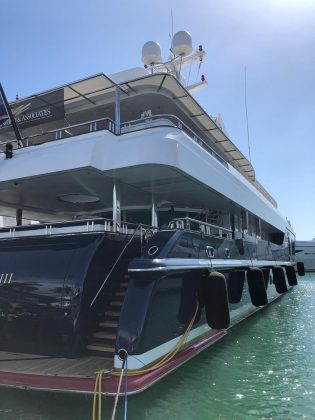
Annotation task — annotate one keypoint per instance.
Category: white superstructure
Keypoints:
(305, 252)
(137, 141)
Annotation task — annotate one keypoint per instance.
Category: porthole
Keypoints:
(153, 250)
(210, 251)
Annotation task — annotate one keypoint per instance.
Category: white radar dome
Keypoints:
(182, 43)
(151, 53)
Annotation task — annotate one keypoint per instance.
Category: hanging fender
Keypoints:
(235, 285)
(257, 287)
(291, 276)
(216, 301)
(279, 279)
(266, 274)
(300, 268)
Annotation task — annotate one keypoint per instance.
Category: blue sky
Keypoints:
(50, 43)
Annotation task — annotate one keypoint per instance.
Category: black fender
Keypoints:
(257, 287)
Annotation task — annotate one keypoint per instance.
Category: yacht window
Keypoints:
(186, 247)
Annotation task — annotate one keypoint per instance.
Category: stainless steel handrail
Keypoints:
(203, 227)
(115, 263)
(126, 127)
(89, 225)
(177, 123)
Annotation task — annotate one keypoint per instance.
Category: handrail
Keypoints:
(129, 126)
(178, 123)
(125, 128)
(91, 124)
(68, 227)
(185, 223)
(114, 265)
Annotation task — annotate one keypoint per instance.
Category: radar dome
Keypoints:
(182, 43)
(151, 53)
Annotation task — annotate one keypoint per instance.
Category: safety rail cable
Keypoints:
(169, 356)
(114, 265)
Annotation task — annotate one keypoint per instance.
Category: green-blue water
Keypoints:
(263, 369)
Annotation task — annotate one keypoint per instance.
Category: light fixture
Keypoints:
(78, 198)
(8, 151)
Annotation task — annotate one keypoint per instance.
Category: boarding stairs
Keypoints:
(104, 338)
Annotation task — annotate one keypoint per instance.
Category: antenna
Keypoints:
(246, 113)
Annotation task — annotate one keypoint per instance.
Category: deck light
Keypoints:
(8, 151)
(78, 198)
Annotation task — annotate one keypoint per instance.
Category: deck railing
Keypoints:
(149, 122)
(91, 225)
(154, 121)
(190, 224)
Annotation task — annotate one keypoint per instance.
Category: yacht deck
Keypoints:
(54, 366)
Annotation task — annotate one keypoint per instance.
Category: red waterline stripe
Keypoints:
(109, 386)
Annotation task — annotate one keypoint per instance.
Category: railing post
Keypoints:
(116, 206)
(154, 215)
(117, 110)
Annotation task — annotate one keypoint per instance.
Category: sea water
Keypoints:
(264, 368)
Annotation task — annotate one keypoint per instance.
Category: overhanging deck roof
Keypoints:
(167, 83)
(92, 90)
(89, 89)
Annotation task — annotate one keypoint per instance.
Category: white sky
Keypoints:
(46, 44)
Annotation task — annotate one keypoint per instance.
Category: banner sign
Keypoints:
(36, 110)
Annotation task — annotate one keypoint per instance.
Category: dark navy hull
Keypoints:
(49, 282)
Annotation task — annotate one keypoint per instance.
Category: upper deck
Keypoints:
(98, 103)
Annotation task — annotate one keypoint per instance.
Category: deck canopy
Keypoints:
(52, 109)
(167, 84)
(94, 97)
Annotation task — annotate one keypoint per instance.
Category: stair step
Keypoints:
(116, 303)
(112, 313)
(120, 293)
(108, 324)
(126, 276)
(105, 335)
(100, 348)
(124, 284)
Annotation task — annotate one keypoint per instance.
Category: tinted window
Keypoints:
(186, 247)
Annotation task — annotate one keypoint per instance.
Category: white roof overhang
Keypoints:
(166, 83)
(89, 91)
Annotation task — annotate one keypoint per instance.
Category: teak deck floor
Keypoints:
(53, 366)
